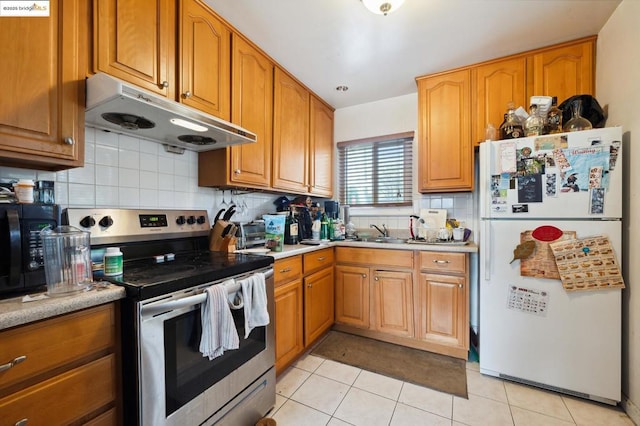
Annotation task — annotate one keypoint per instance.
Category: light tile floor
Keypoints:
(315, 391)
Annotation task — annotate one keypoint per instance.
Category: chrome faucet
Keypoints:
(384, 233)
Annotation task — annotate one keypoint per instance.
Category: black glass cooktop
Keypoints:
(143, 278)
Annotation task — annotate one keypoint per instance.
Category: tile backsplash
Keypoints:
(121, 171)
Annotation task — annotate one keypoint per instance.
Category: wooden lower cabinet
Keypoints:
(69, 373)
(374, 290)
(393, 302)
(418, 299)
(318, 304)
(352, 295)
(288, 323)
(304, 299)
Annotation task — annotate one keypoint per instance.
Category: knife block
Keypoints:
(218, 242)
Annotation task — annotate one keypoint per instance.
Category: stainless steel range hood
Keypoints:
(118, 106)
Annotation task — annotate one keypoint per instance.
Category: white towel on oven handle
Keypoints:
(254, 294)
(219, 332)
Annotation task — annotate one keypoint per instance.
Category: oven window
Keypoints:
(187, 372)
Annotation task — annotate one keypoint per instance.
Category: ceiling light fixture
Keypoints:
(342, 88)
(382, 7)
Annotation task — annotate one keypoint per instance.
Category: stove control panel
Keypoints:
(126, 225)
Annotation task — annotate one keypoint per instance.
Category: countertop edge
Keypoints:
(14, 312)
(297, 249)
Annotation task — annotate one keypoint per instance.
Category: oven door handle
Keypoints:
(154, 309)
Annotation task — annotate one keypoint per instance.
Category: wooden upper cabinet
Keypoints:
(564, 70)
(321, 149)
(42, 103)
(496, 84)
(290, 134)
(252, 100)
(134, 40)
(204, 57)
(445, 153)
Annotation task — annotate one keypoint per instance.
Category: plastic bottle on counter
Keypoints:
(113, 262)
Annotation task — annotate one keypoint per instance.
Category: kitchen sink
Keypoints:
(389, 240)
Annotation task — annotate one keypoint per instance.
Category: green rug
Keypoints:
(435, 371)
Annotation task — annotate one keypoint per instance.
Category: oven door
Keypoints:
(177, 384)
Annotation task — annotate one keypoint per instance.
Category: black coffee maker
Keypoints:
(332, 209)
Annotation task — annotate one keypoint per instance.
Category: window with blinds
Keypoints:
(376, 172)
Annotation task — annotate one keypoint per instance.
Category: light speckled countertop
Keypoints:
(293, 250)
(14, 312)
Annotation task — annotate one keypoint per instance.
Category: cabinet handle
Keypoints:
(321, 259)
(22, 422)
(285, 270)
(237, 171)
(440, 261)
(186, 94)
(68, 141)
(13, 362)
(376, 279)
(364, 275)
(165, 84)
(460, 286)
(309, 285)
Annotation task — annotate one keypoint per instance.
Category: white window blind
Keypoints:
(376, 172)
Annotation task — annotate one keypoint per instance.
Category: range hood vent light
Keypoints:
(120, 107)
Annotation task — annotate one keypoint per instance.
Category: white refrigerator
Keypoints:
(539, 325)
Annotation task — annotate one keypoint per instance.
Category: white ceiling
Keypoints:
(327, 43)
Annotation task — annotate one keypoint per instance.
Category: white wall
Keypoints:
(386, 117)
(618, 90)
(398, 115)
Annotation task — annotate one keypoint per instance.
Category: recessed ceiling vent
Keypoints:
(128, 121)
(197, 139)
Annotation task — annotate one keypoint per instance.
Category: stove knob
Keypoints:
(87, 222)
(201, 220)
(106, 222)
(180, 220)
(191, 220)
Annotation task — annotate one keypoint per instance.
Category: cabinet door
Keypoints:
(496, 84)
(290, 134)
(321, 149)
(205, 55)
(564, 71)
(393, 302)
(42, 102)
(352, 295)
(444, 147)
(252, 94)
(288, 323)
(134, 40)
(318, 304)
(444, 303)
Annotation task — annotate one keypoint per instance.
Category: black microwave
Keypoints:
(21, 252)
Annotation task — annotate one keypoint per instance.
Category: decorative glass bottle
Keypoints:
(554, 117)
(512, 127)
(577, 121)
(534, 126)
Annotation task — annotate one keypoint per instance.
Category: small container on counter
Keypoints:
(24, 190)
(113, 262)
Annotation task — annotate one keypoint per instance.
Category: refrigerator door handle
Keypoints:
(485, 247)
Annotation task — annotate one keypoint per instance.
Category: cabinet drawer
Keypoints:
(65, 398)
(377, 257)
(285, 270)
(443, 261)
(317, 259)
(56, 342)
